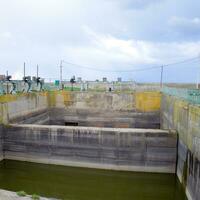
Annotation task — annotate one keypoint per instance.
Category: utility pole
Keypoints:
(197, 84)
(161, 77)
(198, 78)
(24, 69)
(7, 81)
(61, 74)
(37, 70)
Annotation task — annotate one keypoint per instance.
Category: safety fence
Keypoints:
(191, 95)
(13, 87)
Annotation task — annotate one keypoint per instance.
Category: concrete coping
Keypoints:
(81, 128)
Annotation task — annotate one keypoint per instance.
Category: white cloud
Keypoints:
(108, 34)
(138, 52)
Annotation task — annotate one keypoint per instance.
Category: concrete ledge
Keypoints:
(124, 130)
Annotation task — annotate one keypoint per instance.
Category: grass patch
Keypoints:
(70, 88)
(21, 193)
(35, 197)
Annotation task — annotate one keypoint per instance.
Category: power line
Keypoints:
(183, 61)
(134, 70)
(102, 70)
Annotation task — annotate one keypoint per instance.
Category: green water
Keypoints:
(87, 184)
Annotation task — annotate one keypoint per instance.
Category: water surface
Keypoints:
(87, 184)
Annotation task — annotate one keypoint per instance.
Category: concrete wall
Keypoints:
(112, 119)
(15, 106)
(147, 101)
(102, 101)
(119, 149)
(112, 110)
(19, 107)
(1, 143)
(102, 109)
(92, 100)
(185, 118)
(105, 109)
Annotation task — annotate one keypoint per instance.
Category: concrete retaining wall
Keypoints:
(19, 106)
(185, 118)
(119, 149)
(25, 105)
(91, 100)
(105, 109)
(1, 143)
(126, 149)
(112, 119)
(140, 101)
(92, 118)
(15, 106)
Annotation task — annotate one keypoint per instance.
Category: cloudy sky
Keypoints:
(110, 35)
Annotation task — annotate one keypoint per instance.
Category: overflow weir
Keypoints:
(141, 131)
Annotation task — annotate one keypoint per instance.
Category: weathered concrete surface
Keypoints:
(23, 106)
(97, 101)
(92, 100)
(39, 117)
(92, 118)
(14, 106)
(141, 101)
(185, 118)
(7, 195)
(126, 110)
(147, 101)
(108, 148)
(1, 143)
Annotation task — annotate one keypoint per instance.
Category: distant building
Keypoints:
(104, 79)
(2, 77)
(119, 79)
(79, 79)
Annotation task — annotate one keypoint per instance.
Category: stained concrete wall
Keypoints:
(112, 119)
(134, 101)
(15, 106)
(19, 107)
(185, 118)
(92, 100)
(147, 101)
(1, 143)
(114, 110)
(119, 149)
(105, 109)
(92, 118)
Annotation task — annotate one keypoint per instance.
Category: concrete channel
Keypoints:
(142, 132)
